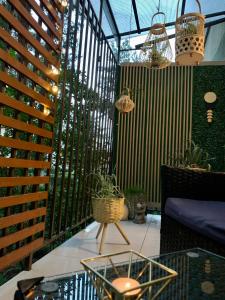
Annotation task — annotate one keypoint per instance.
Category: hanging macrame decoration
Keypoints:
(125, 104)
(190, 37)
(156, 51)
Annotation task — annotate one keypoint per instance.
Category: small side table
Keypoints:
(103, 227)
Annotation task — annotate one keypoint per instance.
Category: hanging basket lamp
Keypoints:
(125, 104)
(190, 37)
(156, 51)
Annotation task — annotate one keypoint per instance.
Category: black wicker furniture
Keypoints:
(189, 184)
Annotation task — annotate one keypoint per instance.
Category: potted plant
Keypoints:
(107, 199)
(133, 196)
(158, 58)
(190, 29)
(195, 158)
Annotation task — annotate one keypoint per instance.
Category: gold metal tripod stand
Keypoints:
(103, 227)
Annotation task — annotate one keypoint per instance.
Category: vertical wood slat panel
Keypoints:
(24, 52)
(130, 157)
(23, 31)
(143, 115)
(124, 128)
(158, 128)
(126, 119)
(26, 130)
(45, 19)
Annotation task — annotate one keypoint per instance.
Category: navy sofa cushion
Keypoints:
(205, 217)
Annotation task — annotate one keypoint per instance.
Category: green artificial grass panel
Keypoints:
(211, 137)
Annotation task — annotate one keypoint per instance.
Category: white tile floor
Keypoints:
(144, 238)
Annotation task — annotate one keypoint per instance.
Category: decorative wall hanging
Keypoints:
(156, 51)
(190, 37)
(125, 104)
(210, 98)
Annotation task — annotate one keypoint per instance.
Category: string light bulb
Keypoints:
(46, 111)
(64, 3)
(55, 89)
(55, 71)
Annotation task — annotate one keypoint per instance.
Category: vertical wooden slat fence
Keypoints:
(157, 130)
(30, 45)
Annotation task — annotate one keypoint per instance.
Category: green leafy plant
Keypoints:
(189, 29)
(157, 57)
(194, 157)
(105, 186)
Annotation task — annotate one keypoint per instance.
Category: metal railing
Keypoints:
(83, 134)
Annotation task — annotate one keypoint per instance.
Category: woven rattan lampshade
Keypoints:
(190, 37)
(156, 51)
(125, 104)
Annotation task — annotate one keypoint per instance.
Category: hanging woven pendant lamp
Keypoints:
(156, 51)
(125, 104)
(190, 37)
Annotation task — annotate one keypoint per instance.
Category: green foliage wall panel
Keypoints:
(211, 137)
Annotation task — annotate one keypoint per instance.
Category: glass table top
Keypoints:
(201, 275)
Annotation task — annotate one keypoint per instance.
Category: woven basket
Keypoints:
(190, 37)
(108, 210)
(156, 51)
(125, 104)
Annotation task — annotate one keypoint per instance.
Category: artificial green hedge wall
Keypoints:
(211, 137)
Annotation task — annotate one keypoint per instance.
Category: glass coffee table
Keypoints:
(201, 275)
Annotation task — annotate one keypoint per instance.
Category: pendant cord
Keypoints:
(159, 6)
(129, 38)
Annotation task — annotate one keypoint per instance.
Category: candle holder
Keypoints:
(127, 275)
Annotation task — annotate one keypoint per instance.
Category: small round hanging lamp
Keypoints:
(190, 37)
(125, 104)
(156, 51)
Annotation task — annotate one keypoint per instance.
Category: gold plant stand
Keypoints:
(103, 227)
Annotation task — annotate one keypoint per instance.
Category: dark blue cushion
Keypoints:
(205, 217)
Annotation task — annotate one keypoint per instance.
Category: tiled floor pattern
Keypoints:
(66, 258)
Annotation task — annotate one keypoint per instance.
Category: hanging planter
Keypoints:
(125, 104)
(157, 52)
(190, 37)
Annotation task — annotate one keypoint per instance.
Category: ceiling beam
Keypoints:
(215, 22)
(183, 7)
(207, 25)
(136, 16)
(111, 19)
(139, 46)
(220, 13)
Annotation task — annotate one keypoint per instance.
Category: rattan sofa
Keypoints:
(189, 184)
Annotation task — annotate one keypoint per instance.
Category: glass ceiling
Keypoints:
(208, 6)
(121, 13)
(146, 9)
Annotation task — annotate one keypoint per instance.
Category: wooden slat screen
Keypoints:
(157, 129)
(30, 46)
